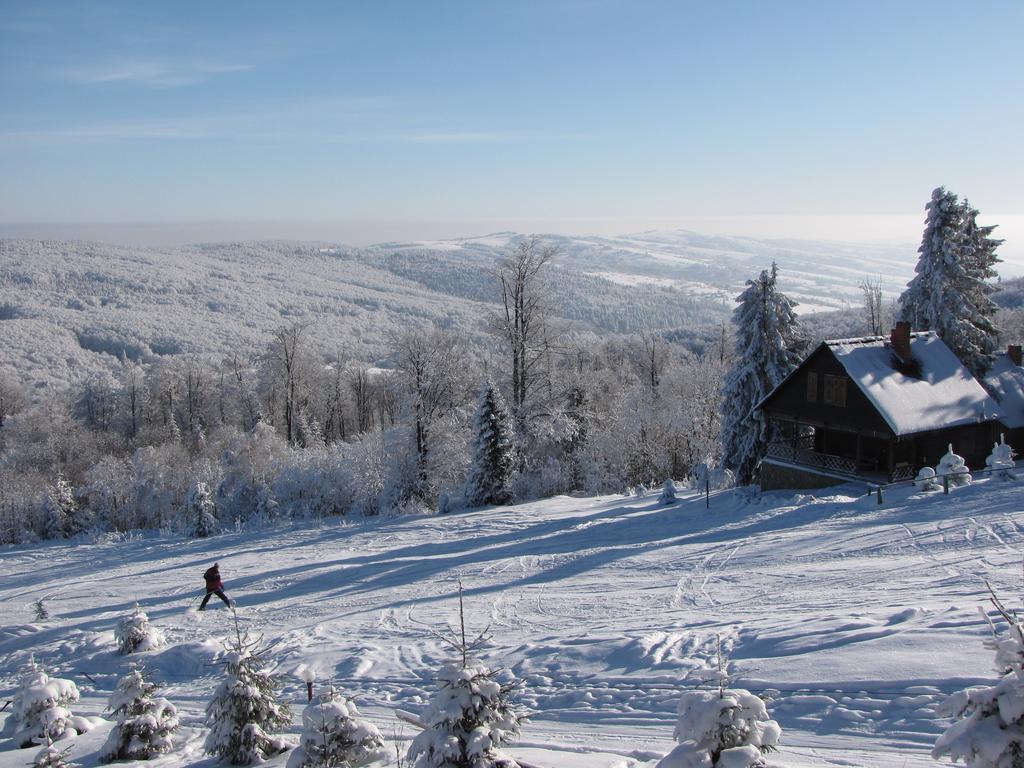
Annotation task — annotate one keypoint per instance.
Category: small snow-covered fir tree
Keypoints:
(145, 724)
(52, 757)
(134, 633)
(493, 452)
(668, 493)
(335, 736)
(244, 710)
(60, 510)
(472, 714)
(768, 348)
(955, 467)
(1001, 460)
(988, 726)
(202, 512)
(39, 710)
(950, 294)
(722, 729)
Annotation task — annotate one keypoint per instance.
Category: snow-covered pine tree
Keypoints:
(134, 633)
(493, 452)
(1001, 460)
(668, 493)
(727, 728)
(244, 709)
(145, 723)
(950, 294)
(988, 726)
(472, 714)
(52, 757)
(768, 347)
(335, 736)
(60, 510)
(39, 709)
(202, 517)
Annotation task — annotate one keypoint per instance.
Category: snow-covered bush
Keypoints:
(725, 728)
(1001, 460)
(135, 633)
(469, 719)
(668, 493)
(955, 467)
(926, 480)
(144, 724)
(333, 734)
(245, 710)
(39, 709)
(988, 727)
(202, 512)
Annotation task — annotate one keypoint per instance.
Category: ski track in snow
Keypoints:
(854, 619)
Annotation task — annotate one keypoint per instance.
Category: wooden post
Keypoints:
(945, 484)
(879, 492)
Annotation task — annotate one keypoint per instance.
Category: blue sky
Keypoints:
(579, 114)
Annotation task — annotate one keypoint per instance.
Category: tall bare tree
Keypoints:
(523, 319)
(871, 288)
(432, 366)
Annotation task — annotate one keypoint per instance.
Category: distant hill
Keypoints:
(69, 308)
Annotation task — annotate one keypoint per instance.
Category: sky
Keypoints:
(424, 119)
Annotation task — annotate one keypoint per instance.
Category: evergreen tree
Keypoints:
(61, 510)
(726, 728)
(144, 724)
(202, 512)
(334, 736)
(51, 757)
(244, 709)
(950, 293)
(39, 711)
(471, 715)
(988, 726)
(493, 452)
(134, 633)
(768, 348)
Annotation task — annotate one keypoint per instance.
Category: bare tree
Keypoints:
(432, 366)
(871, 288)
(522, 321)
(286, 357)
(362, 397)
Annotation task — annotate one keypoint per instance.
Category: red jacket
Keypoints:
(213, 582)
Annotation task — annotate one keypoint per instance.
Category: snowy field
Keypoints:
(854, 619)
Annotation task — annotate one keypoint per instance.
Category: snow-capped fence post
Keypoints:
(945, 484)
(308, 676)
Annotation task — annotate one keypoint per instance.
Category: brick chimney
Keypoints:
(1013, 350)
(900, 338)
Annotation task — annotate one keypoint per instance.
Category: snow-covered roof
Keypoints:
(945, 395)
(1005, 380)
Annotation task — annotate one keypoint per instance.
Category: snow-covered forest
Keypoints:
(307, 423)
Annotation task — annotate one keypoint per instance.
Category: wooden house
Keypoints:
(875, 409)
(1005, 382)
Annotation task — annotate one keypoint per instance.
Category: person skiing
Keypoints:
(214, 586)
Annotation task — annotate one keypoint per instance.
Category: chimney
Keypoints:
(900, 338)
(1013, 350)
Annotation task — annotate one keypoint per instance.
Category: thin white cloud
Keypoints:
(153, 73)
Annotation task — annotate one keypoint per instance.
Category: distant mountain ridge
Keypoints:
(69, 308)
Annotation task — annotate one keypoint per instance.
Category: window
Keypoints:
(835, 390)
(812, 387)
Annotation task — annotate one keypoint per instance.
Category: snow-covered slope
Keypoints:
(854, 618)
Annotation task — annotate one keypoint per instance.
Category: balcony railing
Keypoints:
(801, 453)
